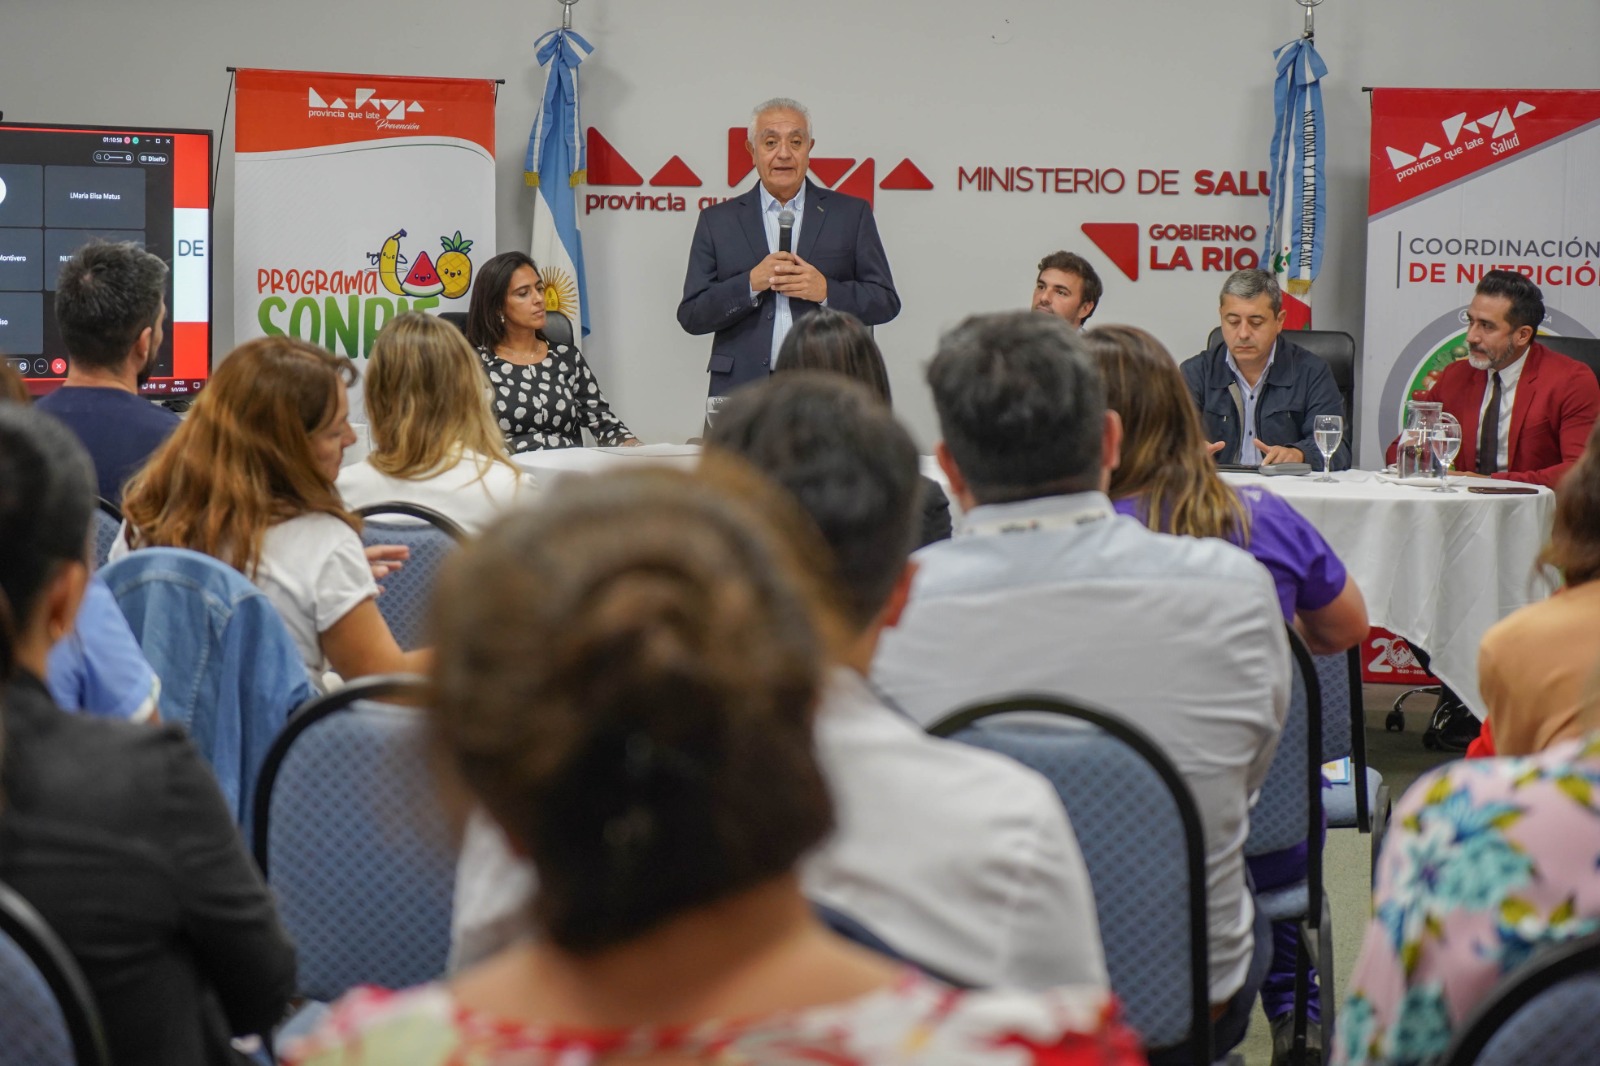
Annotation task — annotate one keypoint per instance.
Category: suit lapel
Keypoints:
(750, 219)
(816, 218)
(1526, 394)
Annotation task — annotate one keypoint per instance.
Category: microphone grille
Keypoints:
(786, 217)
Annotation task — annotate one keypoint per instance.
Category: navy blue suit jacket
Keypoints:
(837, 236)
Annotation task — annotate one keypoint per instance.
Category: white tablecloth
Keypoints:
(1437, 568)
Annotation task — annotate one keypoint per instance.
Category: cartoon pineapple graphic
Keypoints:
(454, 267)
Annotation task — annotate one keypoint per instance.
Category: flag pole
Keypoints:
(1311, 17)
(566, 13)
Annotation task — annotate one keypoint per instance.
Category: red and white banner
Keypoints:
(1463, 181)
(358, 197)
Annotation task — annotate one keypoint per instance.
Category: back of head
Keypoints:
(426, 398)
(1575, 538)
(626, 679)
(1164, 461)
(842, 456)
(106, 296)
(1021, 408)
(46, 504)
(832, 340)
(242, 460)
(1527, 301)
(486, 326)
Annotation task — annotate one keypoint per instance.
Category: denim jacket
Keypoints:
(230, 672)
(1299, 387)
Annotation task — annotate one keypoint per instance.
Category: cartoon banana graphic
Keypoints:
(388, 264)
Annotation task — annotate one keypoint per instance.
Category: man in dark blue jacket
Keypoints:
(745, 288)
(1259, 395)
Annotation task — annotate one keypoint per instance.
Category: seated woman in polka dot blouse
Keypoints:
(545, 395)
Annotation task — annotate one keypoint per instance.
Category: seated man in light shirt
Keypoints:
(959, 859)
(1050, 590)
(1259, 394)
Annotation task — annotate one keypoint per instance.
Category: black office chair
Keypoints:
(557, 326)
(1334, 347)
(1585, 350)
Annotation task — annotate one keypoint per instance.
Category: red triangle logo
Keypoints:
(905, 176)
(1120, 242)
(829, 171)
(606, 165)
(861, 182)
(739, 162)
(676, 172)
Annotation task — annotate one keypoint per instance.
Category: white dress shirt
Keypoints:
(960, 859)
(1181, 636)
(1508, 398)
(771, 208)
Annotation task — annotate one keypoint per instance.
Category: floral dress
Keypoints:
(1486, 861)
(915, 1020)
(549, 403)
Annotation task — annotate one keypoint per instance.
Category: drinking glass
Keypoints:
(1328, 430)
(713, 405)
(1445, 442)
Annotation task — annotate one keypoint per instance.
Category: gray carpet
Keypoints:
(1347, 867)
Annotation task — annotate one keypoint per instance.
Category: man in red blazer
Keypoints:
(1525, 411)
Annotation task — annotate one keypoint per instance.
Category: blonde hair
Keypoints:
(427, 401)
(242, 460)
(1164, 461)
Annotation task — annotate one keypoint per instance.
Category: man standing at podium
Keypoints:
(779, 251)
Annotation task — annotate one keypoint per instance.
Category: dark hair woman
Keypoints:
(117, 833)
(833, 340)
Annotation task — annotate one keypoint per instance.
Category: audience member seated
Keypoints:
(836, 341)
(962, 860)
(627, 677)
(1051, 591)
(545, 395)
(1525, 411)
(1485, 862)
(1259, 394)
(117, 833)
(1167, 481)
(1067, 287)
(434, 442)
(249, 479)
(1534, 666)
(110, 305)
(98, 668)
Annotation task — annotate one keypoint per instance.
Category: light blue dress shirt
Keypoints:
(782, 318)
(1249, 454)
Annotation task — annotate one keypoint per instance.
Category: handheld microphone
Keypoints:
(785, 229)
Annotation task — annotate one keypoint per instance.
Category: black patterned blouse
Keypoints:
(548, 404)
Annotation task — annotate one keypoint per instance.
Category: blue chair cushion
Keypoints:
(1339, 801)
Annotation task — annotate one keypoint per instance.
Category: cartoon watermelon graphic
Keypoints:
(423, 279)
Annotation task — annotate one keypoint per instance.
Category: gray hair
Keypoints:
(781, 103)
(1249, 284)
(106, 296)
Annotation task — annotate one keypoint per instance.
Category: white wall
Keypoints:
(1131, 84)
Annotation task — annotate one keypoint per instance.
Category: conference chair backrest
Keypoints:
(1117, 786)
(1334, 347)
(1542, 1013)
(47, 1013)
(557, 326)
(430, 536)
(230, 672)
(1585, 350)
(107, 524)
(1282, 812)
(355, 842)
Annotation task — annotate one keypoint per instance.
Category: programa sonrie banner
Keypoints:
(1463, 181)
(358, 197)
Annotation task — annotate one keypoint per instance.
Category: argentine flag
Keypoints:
(554, 167)
(1297, 204)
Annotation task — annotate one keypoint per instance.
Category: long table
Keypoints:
(1438, 568)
